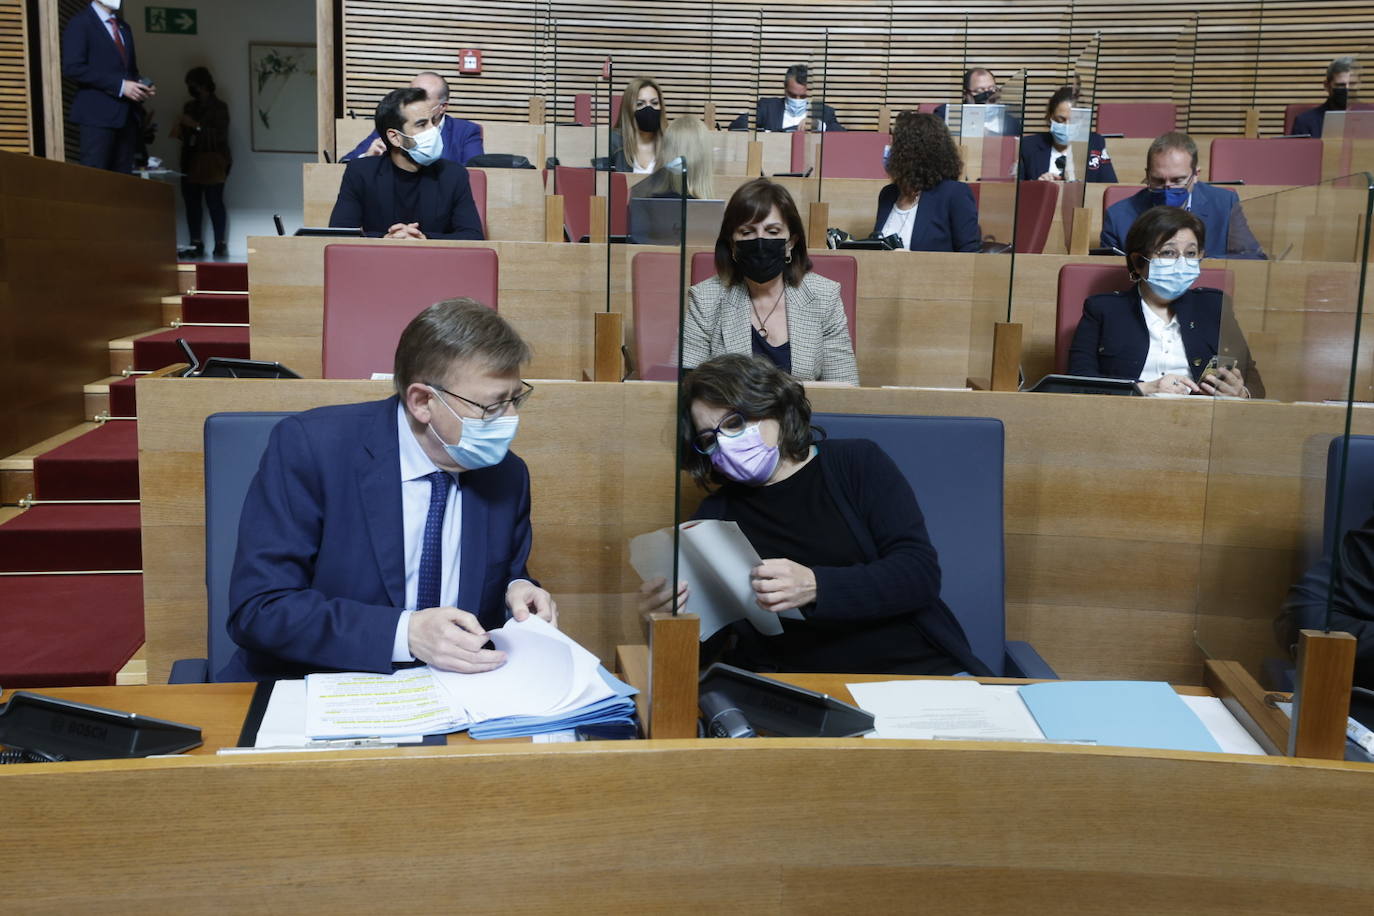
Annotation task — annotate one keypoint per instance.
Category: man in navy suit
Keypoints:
(980, 88)
(412, 192)
(384, 534)
(791, 112)
(1171, 178)
(1342, 81)
(462, 139)
(98, 53)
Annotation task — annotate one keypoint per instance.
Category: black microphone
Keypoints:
(1061, 162)
(723, 718)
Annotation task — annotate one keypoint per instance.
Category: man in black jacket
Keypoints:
(1352, 599)
(410, 192)
(793, 111)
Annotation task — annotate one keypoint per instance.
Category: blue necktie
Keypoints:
(432, 546)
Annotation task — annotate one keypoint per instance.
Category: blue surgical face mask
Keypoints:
(429, 146)
(1062, 132)
(1169, 281)
(484, 442)
(796, 107)
(1169, 197)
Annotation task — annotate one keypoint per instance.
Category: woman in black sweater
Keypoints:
(838, 526)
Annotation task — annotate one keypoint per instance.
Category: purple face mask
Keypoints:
(745, 458)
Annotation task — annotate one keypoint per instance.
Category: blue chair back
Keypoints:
(1358, 501)
(234, 443)
(954, 464)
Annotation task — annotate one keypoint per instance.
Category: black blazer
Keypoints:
(89, 57)
(367, 198)
(1112, 340)
(946, 218)
(1035, 157)
(768, 115)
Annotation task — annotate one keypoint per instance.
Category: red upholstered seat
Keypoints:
(1143, 120)
(851, 154)
(653, 277)
(582, 108)
(1079, 281)
(928, 107)
(1270, 162)
(1035, 202)
(842, 268)
(371, 292)
(577, 187)
(477, 180)
(1115, 193)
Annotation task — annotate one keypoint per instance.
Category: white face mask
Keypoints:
(429, 146)
(112, 4)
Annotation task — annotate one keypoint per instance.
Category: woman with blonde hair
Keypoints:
(687, 137)
(635, 146)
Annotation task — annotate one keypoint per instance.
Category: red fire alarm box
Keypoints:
(470, 60)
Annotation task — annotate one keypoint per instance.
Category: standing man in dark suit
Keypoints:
(791, 112)
(412, 192)
(1171, 179)
(98, 53)
(377, 535)
(462, 139)
(1342, 81)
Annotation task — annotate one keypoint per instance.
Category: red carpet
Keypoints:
(53, 538)
(159, 350)
(233, 309)
(122, 402)
(62, 631)
(102, 464)
(222, 276)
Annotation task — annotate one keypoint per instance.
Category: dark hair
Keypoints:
(968, 75)
(797, 73)
(1061, 95)
(200, 76)
(749, 204)
(452, 330)
(923, 153)
(390, 113)
(1173, 140)
(1156, 226)
(755, 388)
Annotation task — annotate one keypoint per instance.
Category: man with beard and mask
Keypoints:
(1342, 82)
(793, 111)
(98, 53)
(462, 139)
(840, 530)
(412, 192)
(379, 535)
(764, 299)
(980, 88)
(1171, 179)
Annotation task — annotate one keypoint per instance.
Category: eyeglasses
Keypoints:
(492, 411)
(731, 426)
(1168, 257)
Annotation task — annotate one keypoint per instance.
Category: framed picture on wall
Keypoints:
(281, 94)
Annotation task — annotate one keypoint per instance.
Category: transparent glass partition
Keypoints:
(1185, 54)
(1348, 135)
(1290, 332)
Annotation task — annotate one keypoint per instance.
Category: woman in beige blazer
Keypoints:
(764, 299)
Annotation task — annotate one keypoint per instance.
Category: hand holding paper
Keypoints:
(447, 638)
(782, 585)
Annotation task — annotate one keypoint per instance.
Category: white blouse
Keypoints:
(900, 222)
(1166, 355)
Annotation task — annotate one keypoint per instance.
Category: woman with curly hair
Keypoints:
(927, 206)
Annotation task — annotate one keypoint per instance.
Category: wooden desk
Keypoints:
(786, 825)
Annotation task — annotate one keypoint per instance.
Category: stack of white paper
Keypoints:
(548, 683)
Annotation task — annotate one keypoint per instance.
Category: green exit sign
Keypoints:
(169, 20)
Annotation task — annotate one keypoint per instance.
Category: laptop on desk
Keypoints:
(658, 221)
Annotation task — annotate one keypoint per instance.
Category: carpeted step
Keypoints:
(158, 350)
(66, 538)
(205, 307)
(222, 276)
(102, 464)
(68, 631)
(122, 403)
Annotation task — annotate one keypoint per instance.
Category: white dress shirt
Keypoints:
(1053, 168)
(1166, 355)
(900, 222)
(415, 490)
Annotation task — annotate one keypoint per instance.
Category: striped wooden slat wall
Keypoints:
(71, 136)
(1221, 56)
(16, 129)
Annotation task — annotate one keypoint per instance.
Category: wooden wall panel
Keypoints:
(16, 128)
(1220, 56)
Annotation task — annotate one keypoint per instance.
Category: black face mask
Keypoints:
(761, 259)
(647, 119)
(1338, 99)
(982, 98)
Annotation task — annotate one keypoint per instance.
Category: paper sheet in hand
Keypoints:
(960, 708)
(716, 562)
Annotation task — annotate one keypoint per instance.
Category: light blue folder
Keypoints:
(1119, 713)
